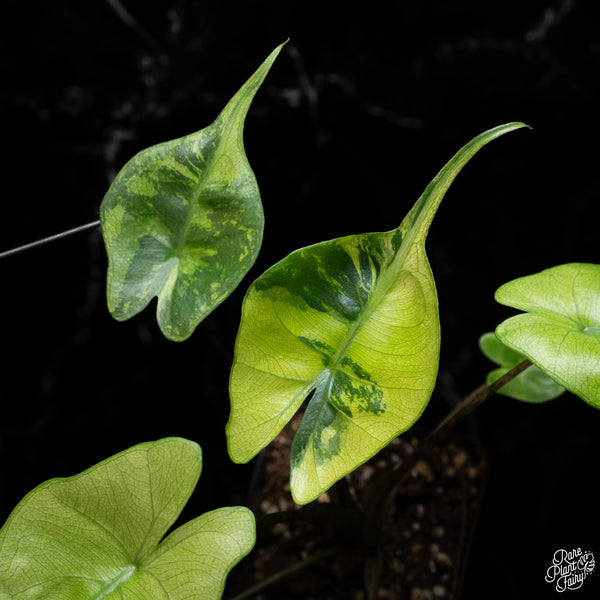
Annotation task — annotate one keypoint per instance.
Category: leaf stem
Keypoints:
(348, 517)
(385, 488)
(286, 573)
(472, 401)
(51, 238)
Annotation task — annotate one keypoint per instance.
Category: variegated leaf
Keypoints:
(183, 221)
(354, 321)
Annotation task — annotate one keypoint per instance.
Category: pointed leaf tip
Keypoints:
(418, 220)
(183, 221)
(354, 321)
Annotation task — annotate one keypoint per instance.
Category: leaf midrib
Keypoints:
(413, 238)
(389, 275)
(125, 574)
(198, 189)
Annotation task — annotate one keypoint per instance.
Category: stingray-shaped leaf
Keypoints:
(560, 332)
(183, 221)
(532, 385)
(354, 321)
(97, 535)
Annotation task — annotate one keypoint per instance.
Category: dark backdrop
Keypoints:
(365, 104)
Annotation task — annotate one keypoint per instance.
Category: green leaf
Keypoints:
(97, 535)
(560, 332)
(183, 221)
(354, 321)
(532, 385)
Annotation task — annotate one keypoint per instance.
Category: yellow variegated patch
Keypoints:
(354, 321)
(183, 221)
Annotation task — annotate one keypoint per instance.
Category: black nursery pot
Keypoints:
(426, 539)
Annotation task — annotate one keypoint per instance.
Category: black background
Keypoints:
(361, 109)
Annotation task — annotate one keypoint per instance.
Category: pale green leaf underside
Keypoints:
(183, 221)
(532, 385)
(354, 321)
(97, 535)
(560, 332)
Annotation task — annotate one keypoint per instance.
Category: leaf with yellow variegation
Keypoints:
(352, 321)
(183, 221)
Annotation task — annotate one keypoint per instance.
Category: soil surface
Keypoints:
(426, 531)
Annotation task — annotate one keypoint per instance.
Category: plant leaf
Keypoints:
(560, 332)
(183, 221)
(532, 385)
(97, 534)
(353, 320)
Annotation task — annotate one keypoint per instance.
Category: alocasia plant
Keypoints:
(560, 332)
(183, 221)
(352, 321)
(350, 324)
(99, 535)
